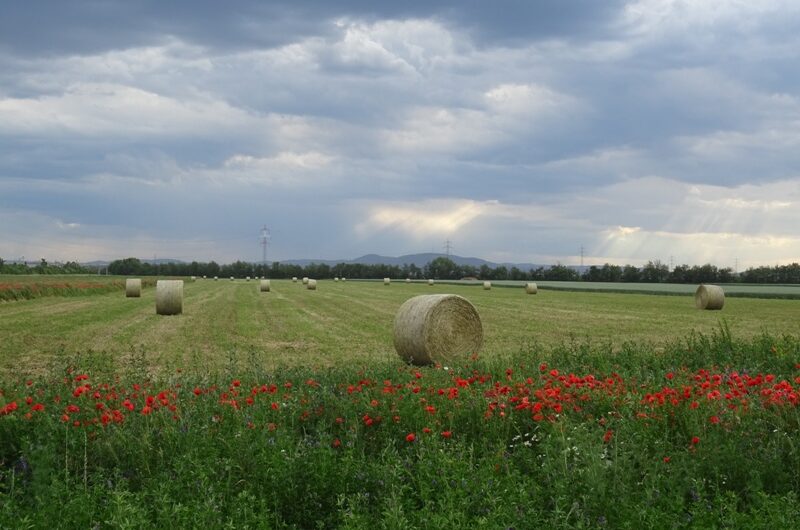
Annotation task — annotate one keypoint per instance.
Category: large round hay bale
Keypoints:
(305, 280)
(531, 288)
(709, 297)
(430, 282)
(387, 281)
(169, 297)
(336, 279)
(264, 286)
(311, 284)
(435, 328)
(487, 286)
(294, 279)
(133, 288)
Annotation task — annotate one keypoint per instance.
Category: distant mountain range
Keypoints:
(420, 260)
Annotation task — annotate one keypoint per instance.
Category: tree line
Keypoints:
(441, 268)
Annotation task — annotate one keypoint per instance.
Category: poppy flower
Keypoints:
(410, 437)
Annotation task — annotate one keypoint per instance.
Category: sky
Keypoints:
(519, 131)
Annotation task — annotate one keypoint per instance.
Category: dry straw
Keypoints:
(305, 280)
(312, 284)
(264, 286)
(133, 288)
(169, 297)
(387, 281)
(531, 288)
(430, 282)
(487, 286)
(437, 328)
(709, 297)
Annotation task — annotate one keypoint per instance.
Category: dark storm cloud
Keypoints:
(91, 26)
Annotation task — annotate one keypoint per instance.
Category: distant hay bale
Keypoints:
(264, 286)
(408, 280)
(430, 282)
(193, 278)
(215, 278)
(435, 328)
(344, 279)
(387, 281)
(204, 276)
(336, 279)
(133, 288)
(487, 286)
(247, 278)
(531, 288)
(294, 279)
(305, 280)
(709, 297)
(169, 297)
(231, 278)
(311, 284)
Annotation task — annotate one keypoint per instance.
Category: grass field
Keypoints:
(347, 323)
(290, 410)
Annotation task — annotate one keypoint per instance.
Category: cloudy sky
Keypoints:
(638, 130)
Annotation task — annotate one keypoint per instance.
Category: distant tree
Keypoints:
(630, 274)
(442, 268)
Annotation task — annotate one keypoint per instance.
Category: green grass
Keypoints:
(581, 412)
(347, 323)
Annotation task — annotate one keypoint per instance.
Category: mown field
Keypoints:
(290, 409)
(349, 322)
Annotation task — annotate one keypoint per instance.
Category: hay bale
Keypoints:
(193, 278)
(709, 297)
(387, 281)
(487, 286)
(431, 282)
(305, 280)
(247, 278)
(169, 297)
(294, 279)
(231, 278)
(133, 288)
(264, 286)
(408, 280)
(437, 328)
(204, 276)
(215, 278)
(344, 279)
(312, 285)
(531, 288)
(336, 279)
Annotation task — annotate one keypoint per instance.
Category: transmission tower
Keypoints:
(448, 246)
(264, 242)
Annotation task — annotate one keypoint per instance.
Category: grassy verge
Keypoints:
(702, 434)
(16, 288)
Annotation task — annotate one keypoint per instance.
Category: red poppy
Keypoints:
(446, 434)
(607, 436)
(695, 440)
(410, 437)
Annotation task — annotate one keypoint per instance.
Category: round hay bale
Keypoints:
(231, 278)
(294, 279)
(408, 280)
(430, 282)
(709, 297)
(169, 297)
(312, 285)
(193, 278)
(344, 279)
(531, 288)
(247, 278)
(487, 286)
(437, 328)
(204, 276)
(264, 286)
(133, 288)
(216, 279)
(305, 280)
(387, 281)
(336, 279)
